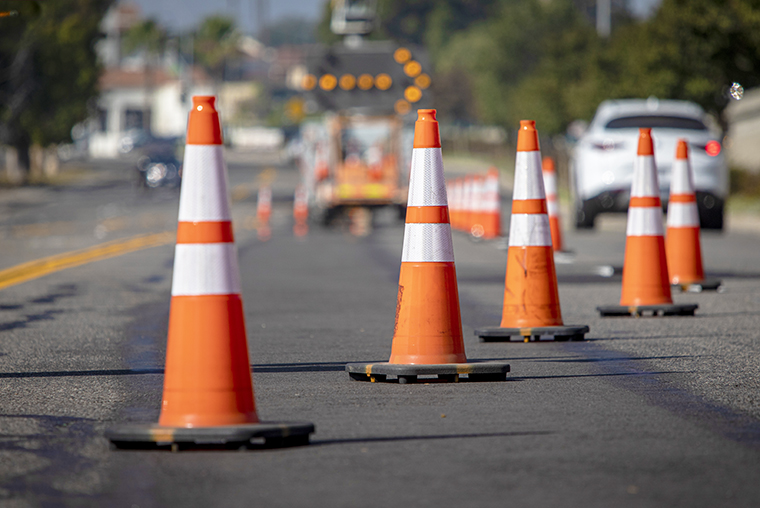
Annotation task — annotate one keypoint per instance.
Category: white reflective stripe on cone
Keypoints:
(683, 215)
(426, 184)
(550, 184)
(530, 229)
(644, 221)
(492, 203)
(478, 203)
(645, 182)
(552, 207)
(680, 178)
(492, 194)
(205, 269)
(427, 243)
(204, 195)
(264, 198)
(529, 182)
(467, 196)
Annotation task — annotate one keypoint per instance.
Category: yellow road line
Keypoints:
(38, 268)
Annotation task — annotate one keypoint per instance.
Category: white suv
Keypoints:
(601, 164)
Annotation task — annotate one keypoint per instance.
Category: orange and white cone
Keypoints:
(455, 202)
(646, 287)
(491, 206)
(552, 203)
(452, 203)
(531, 299)
(208, 392)
(264, 212)
(427, 336)
(468, 191)
(682, 242)
(477, 230)
(301, 211)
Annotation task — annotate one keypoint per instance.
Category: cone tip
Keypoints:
(202, 102)
(646, 147)
(203, 126)
(426, 134)
(527, 136)
(682, 151)
(548, 165)
(426, 115)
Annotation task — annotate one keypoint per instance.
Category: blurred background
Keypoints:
(103, 79)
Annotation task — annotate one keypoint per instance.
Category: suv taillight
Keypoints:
(712, 148)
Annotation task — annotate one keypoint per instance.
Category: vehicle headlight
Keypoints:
(155, 173)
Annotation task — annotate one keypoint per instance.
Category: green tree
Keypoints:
(49, 70)
(150, 38)
(215, 42)
(691, 50)
(147, 36)
(530, 60)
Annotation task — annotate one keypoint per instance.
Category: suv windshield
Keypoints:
(662, 122)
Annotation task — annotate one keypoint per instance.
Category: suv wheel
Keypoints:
(585, 214)
(710, 210)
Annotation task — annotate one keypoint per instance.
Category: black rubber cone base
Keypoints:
(255, 435)
(558, 333)
(673, 309)
(698, 287)
(444, 372)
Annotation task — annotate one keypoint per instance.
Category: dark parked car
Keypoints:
(160, 169)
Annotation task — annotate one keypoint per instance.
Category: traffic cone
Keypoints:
(427, 336)
(264, 212)
(459, 197)
(477, 230)
(646, 288)
(301, 211)
(531, 299)
(467, 203)
(454, 202)
(552, 203)
(208, 392)
(491, 205)
(682, 245)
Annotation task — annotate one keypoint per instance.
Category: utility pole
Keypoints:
(262, 13)
(603, 18)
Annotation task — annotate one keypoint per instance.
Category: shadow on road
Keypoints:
(300, 367)
(80, 373)
(607, 374)
(319, 442)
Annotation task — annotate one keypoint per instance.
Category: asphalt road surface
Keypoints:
(645, 412)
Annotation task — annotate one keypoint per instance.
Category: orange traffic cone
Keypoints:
(208, 392)
(450, 193)
(552, 203)
(531, 299)
(477, 230)
(646, 288)
(427, 336)
(264, 212)
(455, 205)
(491, 206)
(467, 203)
(682, 245)
(301, 211)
